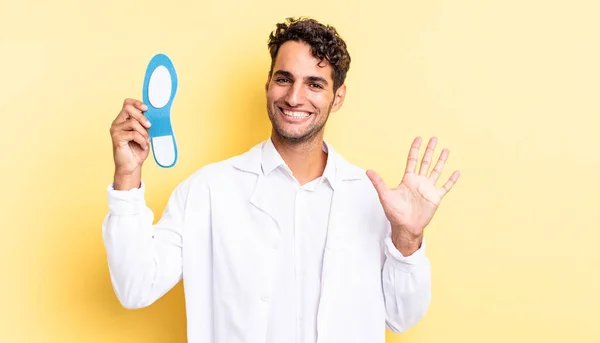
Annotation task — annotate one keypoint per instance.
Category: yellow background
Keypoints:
(511, 87)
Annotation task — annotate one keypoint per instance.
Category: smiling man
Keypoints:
(287, 242)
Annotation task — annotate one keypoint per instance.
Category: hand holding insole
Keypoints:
(160, 87)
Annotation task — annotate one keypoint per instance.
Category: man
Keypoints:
(287, 242)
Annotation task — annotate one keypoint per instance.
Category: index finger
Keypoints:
(136, 103)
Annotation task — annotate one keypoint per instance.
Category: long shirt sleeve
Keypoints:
(144, 260)
(406, 286)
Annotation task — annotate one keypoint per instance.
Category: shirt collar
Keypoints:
(271, 159)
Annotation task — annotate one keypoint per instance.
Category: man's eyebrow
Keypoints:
(317, 79)
(283, 73)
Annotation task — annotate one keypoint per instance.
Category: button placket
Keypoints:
(298, 234)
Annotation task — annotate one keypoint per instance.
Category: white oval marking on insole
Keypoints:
(164, 150)
(159, 87)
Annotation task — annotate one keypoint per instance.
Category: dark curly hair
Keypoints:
(324, 40)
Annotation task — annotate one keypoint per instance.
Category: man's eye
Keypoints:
(283, 80)
(316, 85)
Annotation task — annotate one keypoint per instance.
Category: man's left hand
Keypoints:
(411, 206)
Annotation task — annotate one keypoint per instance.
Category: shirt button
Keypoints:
(265, 298)
(275, 245)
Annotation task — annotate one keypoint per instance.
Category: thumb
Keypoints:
(378, 182)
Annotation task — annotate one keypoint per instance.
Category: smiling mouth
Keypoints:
(294, 114)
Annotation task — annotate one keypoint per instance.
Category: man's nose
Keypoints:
(295, 95)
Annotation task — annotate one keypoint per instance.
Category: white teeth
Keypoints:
(295, 114)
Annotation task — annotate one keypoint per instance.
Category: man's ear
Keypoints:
(339, 97)
(268, 81)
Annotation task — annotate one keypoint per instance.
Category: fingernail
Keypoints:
(144, 108)
(148, 123)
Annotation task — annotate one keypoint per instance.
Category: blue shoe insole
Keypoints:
(160, 87)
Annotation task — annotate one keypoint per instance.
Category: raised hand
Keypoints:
(411, 205)
(130, 140)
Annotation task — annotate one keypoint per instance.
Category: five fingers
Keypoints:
(413, 156)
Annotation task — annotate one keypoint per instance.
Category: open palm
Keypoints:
(411, 205)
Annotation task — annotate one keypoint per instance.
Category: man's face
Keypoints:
(300, 93)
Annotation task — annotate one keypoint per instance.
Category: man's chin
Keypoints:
(295, 137)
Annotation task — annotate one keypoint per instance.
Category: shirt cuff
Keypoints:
(404, 263)
(126, 202)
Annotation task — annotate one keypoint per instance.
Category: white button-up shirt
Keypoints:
(303, 212)
(264, 259)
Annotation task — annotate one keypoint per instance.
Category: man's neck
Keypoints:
(307, 160)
